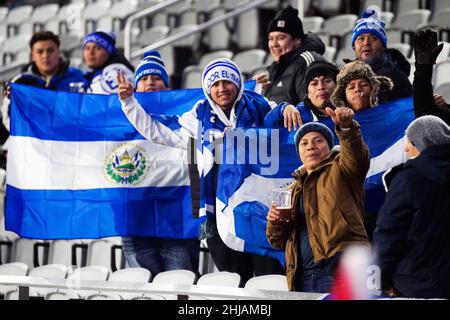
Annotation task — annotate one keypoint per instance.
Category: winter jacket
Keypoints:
(288, 75)
(423, 94)
(411, 237)
(31, 76)
(333, 196)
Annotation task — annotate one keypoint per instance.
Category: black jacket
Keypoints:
(423, 94)
(412, 234)
(288, 75)
(391, 66)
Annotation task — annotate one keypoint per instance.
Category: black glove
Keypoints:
(426, 48)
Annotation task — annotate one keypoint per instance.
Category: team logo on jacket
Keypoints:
(126, 164)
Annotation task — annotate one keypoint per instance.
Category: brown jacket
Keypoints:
(333, 202)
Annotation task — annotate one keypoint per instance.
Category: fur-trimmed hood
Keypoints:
(357, 70)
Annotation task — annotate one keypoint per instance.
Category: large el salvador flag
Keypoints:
(266, 159)
(78, 169)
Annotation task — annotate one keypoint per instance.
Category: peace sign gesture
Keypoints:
(125, 89)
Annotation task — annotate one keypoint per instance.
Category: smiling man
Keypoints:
(292, 52)
(46, 69)
(369, 41)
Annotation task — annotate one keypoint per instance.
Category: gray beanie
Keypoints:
(427, 131)
(316, 127)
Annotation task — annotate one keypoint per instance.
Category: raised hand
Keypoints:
(125, 89)
(341, 116)
(263, 79)
(292, 118)
(426, 48)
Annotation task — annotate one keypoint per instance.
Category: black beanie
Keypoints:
(320, 68)
(287, 21)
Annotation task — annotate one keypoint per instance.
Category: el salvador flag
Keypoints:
(78, 169)
(246, 181)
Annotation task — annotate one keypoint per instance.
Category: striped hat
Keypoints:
(370, 23)
(106, 40)
(151, 64)
(221, 69)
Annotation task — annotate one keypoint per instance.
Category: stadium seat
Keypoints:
(16, 17)
(152, 35)
(345, 53)
(409, 20)
(42, 15)
(191, 77)
(12, 269)
(32, 252)
(440, 5)
(444, 90)
(93, 273)
(268, 282)
(249, 60)
(221, 279)
(210, 56)
(247, 30)
(442, 71)
(404, 48)
(51, 271)
(68, 20)
(218, 36)
(92, 13)
(312, 24)
(330, 53)
(181, 277)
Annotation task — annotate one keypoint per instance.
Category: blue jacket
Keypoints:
(411, 237)
(59, 82)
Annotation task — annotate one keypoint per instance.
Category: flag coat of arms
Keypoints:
(78, 169)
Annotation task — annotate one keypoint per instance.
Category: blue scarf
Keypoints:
(250, 112)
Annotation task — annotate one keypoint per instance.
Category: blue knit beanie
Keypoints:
(106, 40)
(220, 69)
(316, 127)
(370, 23)
(151, 64)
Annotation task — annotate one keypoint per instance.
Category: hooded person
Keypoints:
(102, 57)
(411, 237)
(358, 87)
(292, 52)
(317, 229)
(227, 105)
(370, 43)
(159, 254)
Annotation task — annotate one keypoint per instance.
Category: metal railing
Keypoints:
(161, 43)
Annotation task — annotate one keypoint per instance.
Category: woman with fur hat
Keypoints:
(328, 203)
(358, 87)
(227, 105)
(411, 237)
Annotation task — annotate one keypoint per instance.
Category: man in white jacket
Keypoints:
(227, 105)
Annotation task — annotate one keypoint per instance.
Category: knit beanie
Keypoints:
(316, 127)
(320, 68)
(287, 21)
(427, 131)
(106, 40)
(358, 70)
(370, 23)
(151, 64)
(221, 69)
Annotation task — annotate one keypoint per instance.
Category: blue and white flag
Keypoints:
(78, 169)
(252, 169)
